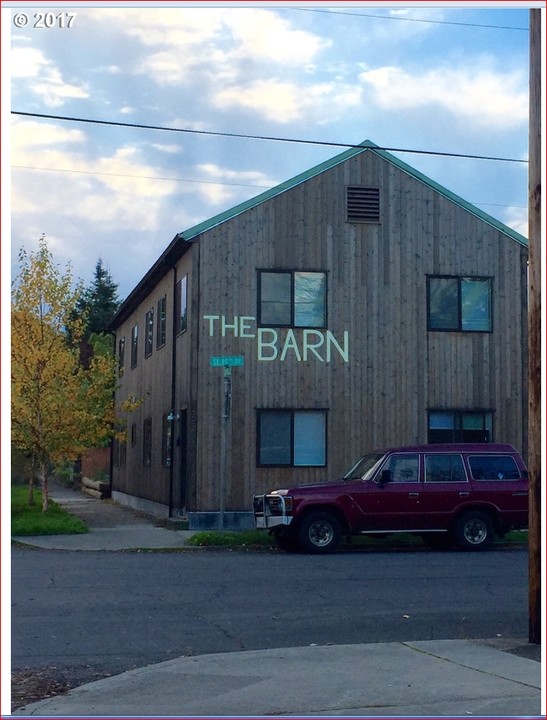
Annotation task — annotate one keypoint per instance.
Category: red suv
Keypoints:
(447, 494)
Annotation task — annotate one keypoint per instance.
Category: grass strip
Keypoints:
(29, 520)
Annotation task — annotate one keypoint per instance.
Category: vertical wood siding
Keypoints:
(376, 292)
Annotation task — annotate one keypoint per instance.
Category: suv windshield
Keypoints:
(365, 467)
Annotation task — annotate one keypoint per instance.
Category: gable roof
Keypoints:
(182, 242)
(365, 146)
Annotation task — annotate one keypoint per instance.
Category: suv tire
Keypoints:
(319, 532)
(474, 530)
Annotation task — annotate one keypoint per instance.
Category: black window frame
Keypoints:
(292, 274)
(291, 412)
(149, 333)
(459, 434)
(121, 356)
(134, 346)
(161, 324)
(181, 301)
(460, 279)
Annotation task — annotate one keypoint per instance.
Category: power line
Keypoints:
(417, 20)
(198, 182)
(113, 123)
(141, 177)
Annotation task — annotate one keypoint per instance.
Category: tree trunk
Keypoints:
(31, 489)
(43, 478)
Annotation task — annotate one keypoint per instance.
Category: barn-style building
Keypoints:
(356, 306)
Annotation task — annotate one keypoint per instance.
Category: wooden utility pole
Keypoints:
(534, 332)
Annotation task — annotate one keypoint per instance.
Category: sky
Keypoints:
(435, 79)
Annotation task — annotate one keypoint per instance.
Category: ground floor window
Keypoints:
(452, 426)
(292, 438)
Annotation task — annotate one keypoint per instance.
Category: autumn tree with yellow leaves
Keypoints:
(59, 408)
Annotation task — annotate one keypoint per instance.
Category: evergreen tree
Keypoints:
(99, 302)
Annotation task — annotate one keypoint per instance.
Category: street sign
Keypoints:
(226, 360)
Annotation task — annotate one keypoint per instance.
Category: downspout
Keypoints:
(112, 443)
(173, 393)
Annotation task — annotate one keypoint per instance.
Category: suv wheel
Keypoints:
(319, 532)
(474, 530)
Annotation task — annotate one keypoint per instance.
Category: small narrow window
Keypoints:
(363, 204)
(161, 322)
(134, 346)
(181, 305)
(121, 356)
(149, 329)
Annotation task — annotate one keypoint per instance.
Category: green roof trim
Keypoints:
(366, 146)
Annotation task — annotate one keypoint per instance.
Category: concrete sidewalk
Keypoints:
(436, 678)
(500, 677)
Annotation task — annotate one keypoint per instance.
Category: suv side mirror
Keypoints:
(385, 477)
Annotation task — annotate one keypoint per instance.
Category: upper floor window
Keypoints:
(362, 204)
(292, 438)
(149, 328)
(292, 299)
(161, 324)
(453, 426)
(121, 356)
(181, 305)
(461, 304)
(134, 345)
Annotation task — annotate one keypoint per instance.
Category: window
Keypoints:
(121, 356)
(162, 322)
(494, 467)
(444, 468)
(448, 426)
(403, 468)
(292, 438)
(133, 434)
(292, 299)
(462, 304)
(362, 204)
(181, 305)
(134, 346)
(147, 442)
(166, 440)
(149, 329)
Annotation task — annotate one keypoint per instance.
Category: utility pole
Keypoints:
(534, 333)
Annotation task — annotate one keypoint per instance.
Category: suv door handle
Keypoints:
(464, 494)
(413, 494)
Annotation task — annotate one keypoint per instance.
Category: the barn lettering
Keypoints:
(273, 344)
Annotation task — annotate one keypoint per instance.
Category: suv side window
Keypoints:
(444, 468)
(493, 467)
(403, 468)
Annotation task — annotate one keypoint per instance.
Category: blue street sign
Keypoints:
(226, 361)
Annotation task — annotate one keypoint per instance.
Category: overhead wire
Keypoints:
(247, 136)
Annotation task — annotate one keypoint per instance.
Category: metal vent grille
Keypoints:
(363, 204)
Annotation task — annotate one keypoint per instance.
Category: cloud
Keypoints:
(222, 186)
(43, 78)
(486, 97)
(285, 101)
